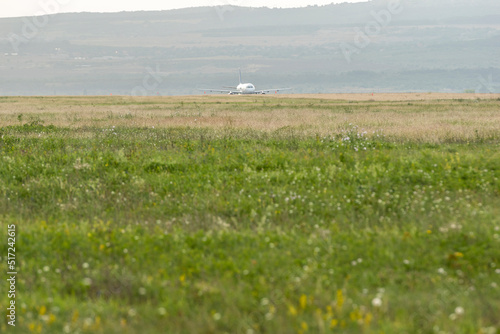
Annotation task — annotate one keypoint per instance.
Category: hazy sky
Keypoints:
(38, 7)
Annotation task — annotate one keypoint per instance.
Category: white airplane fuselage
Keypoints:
(245, 88)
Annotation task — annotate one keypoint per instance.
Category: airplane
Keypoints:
(244, 89)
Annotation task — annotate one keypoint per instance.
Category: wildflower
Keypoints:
(304, 326)
(303, 301)
(87, 281)
(87, 322)
(217, 316)
(459, 310)
(377, 302)
(340, 299)
(368, 319)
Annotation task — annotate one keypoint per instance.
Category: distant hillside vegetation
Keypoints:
(420, 45)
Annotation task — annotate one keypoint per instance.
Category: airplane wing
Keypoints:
(265, 91)
(217, 91)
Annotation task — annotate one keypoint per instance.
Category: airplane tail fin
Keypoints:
(240, 76)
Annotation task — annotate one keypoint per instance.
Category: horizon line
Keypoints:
(180, 8)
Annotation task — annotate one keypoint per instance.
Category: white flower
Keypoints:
(87, 281)
(459, 310)
(377, 302)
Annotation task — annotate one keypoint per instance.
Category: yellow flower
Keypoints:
(304, 326)
(329, 311)
(75, 316)
(355, 315)
(334, 323)
(292, 310)
(458, 254)
(368, 319)
(35, 328)
(182, 278)
(340, 299)
(97, 322)
(303, 301)
(43, 309)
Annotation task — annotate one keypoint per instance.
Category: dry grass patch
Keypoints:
(434, 118)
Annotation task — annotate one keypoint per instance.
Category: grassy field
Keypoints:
(280, 214)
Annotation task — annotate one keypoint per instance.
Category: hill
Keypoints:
(442, 46)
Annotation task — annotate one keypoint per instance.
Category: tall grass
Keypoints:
(311, 227)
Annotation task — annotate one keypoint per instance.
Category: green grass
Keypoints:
(197, 230)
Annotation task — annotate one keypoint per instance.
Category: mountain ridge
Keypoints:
(98, 53)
